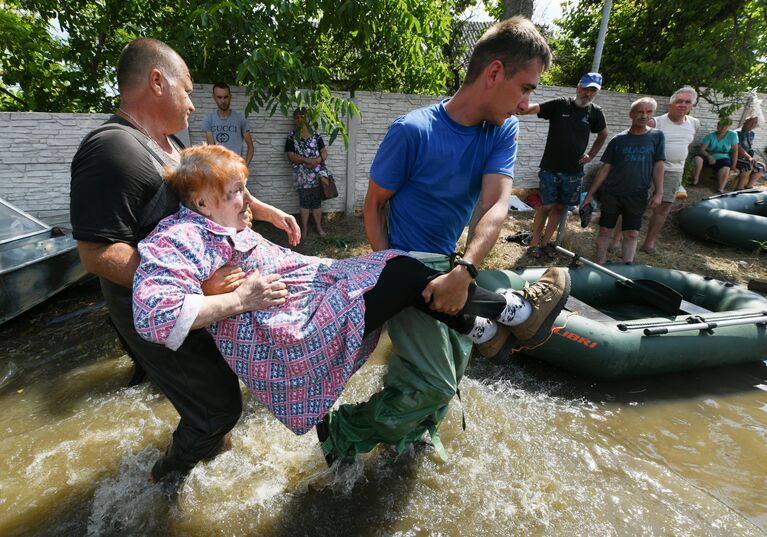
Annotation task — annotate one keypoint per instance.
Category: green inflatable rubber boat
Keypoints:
(611, 330)
(736, 219)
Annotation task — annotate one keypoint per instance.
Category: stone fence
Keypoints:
(37, 149)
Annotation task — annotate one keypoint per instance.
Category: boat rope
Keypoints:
(525, 348)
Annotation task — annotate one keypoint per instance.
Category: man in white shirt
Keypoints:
(679, 129)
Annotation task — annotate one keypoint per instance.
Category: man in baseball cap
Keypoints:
(591, 80)
(571, 122)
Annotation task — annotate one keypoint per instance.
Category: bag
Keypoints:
(327, 184)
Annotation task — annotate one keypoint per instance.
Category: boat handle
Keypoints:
(702, 325)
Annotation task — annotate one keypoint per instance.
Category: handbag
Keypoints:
(327, 184)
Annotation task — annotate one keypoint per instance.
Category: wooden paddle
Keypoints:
(663, 297)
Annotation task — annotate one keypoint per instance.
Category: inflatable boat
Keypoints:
(609, 329)
(736, 219)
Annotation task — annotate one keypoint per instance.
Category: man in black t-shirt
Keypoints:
(571, 121)
(117, 198)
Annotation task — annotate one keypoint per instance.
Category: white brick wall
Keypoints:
(36, 149)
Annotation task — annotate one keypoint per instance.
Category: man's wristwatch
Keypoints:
(469, 266)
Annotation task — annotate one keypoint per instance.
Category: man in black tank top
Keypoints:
(117, 198)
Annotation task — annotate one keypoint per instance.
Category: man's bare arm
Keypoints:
(595, 147)
(658, 171)
(249, 144)
(493, 211)
(530, 110)
(116, 262)
(374, 215)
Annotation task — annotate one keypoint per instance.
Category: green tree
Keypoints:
(29, 56)
(289, 53)
(298, 53)
(62, 53)
(656, 46)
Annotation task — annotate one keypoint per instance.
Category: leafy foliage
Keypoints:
(62, 53)
(288, 52)
(657, 46)
(29, 55)
(299, 53)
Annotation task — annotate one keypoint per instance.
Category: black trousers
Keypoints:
(400, 285)
(195, 379)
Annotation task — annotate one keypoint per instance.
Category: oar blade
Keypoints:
(664, 298)
(667, 300)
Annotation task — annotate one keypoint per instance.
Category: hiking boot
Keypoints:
(498, 349)
(547, 297)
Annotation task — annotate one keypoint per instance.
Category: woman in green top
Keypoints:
(720, 151)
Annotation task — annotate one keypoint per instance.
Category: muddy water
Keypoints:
(543, 453)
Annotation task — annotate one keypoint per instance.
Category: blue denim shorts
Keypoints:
(559, 188)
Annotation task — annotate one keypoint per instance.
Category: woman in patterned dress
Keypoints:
(297, 351)
(306, 152)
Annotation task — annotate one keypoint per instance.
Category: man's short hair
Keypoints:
(683, 89)
(141, 56)
(644, 100)
(221, 85)
(299, 112)
(515, 42)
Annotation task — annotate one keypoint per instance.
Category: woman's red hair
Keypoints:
(204, 167)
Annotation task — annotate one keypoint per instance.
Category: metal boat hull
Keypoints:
(36, 262)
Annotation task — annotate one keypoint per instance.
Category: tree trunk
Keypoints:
(518, 7)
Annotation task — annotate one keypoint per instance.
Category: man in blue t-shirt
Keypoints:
(227, 127)
(633, 161)
(433, 167)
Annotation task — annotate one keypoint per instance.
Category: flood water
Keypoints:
(543, 453)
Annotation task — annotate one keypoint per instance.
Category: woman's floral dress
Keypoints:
(295, 358)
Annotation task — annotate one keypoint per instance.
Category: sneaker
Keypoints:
(498, 349)
(547, 296)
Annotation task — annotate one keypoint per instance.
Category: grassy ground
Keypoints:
(346, 237)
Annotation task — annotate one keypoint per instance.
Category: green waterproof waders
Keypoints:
(427, 363)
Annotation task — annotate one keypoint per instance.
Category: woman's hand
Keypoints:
(287, 223)
(277, 217)
(259, 292)
(312, 162)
